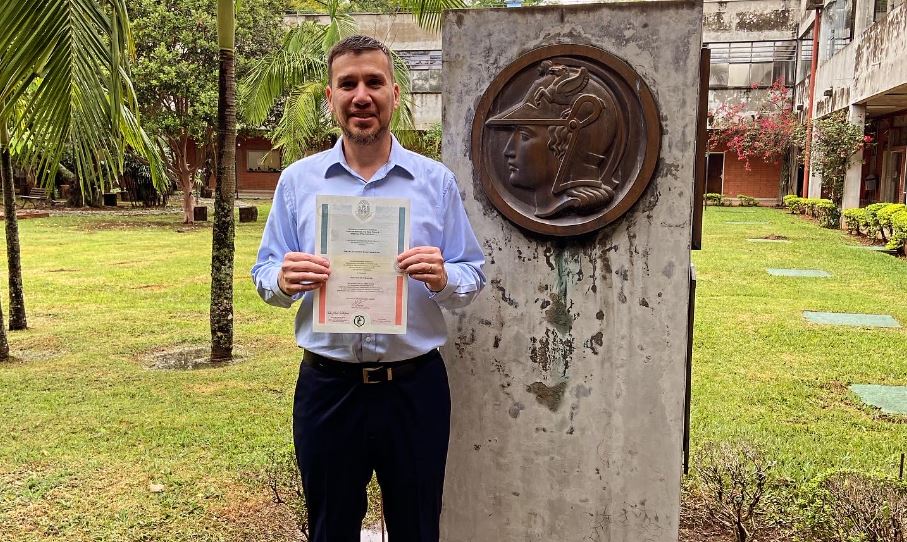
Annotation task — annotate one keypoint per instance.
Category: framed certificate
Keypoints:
(361, 237)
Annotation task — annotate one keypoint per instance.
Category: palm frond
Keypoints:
(300, 59)
(304, 123)
(71, 57)
(427, 13)
(402, 122)
(340, 24)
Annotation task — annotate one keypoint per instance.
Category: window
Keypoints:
(263, 160)
(747, 63)
(424, 69)
(838, 21)
(805, 57)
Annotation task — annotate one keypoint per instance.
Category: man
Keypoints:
(393, 418)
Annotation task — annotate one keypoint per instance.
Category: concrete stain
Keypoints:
(594, 342)
(548, 396)
(558, 315)
(496, 284)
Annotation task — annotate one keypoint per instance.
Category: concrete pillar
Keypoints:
(815, 184)
(854, 177)
(567, 374)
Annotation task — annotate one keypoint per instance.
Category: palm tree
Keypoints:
(17, 317)
(297, 74)
(64, 86)
(222, 249)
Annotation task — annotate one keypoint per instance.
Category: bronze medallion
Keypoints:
(566, 139)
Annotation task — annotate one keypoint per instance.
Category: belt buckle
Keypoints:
(366, 371)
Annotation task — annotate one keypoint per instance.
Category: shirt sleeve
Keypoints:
(279, 238)
(463, 258)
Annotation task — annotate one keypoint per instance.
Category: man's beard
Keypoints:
(363, 138)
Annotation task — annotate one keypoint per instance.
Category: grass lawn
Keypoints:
(89, 430)
(763, 374)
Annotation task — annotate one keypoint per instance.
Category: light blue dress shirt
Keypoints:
(438, 219)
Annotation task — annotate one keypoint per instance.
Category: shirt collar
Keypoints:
(399, 158)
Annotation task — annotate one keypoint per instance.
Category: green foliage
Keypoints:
(823, 210)
(794, 204)
(872, 225)
(898, 238)
(747, 201)
(835, 142)
(65, 85)
(851, 506)
(176, 68)
(294, 76)
(885, 213)
(714, 198)
(854, 219)
(827, 213)
(425, 142)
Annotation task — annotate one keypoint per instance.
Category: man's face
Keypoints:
(362, 95)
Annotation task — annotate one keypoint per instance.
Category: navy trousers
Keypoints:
(344, 429)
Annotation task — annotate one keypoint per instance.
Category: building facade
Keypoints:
(862, 69)
(859, 65)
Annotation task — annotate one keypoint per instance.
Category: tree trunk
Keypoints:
(16, 296)
(188, 198)
(222, 249)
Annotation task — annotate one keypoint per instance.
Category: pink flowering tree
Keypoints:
(767, 134)
(835, 142)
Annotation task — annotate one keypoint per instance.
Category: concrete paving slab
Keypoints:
(851, 319)
(811, 273)
(891, 399)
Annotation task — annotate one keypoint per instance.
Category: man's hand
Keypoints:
(302, 272)
(424, 264)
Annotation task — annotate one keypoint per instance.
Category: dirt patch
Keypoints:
(186, 358)
(775, 237)
(29, 355)
(123, 225)
(258, 520)
(25, 215)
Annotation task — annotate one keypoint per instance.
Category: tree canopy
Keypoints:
(176, 72)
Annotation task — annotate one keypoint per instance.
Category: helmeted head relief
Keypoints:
(582, 122)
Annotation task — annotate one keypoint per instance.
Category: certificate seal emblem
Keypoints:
(364, 211)
(359, 320)
(566, 139)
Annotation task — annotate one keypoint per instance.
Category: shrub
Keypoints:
(872, 224)
(789, 200)
(853, 507)
(828, 214)
(794, 204)
(885, 213)
(714, 198)
(854, 219)
(281, 475)
(747, 201)
(898, 231)
(732, 481)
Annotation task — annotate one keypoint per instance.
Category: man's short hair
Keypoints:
(357, 45)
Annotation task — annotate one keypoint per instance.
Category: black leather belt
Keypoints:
(373, 372)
